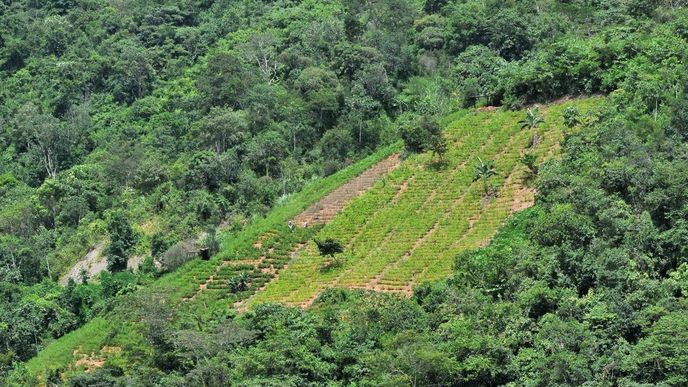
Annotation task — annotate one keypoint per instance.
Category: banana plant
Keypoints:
(238, 283)
(483, 171)
(532, 120)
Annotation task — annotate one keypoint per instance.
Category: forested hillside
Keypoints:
(145, 132)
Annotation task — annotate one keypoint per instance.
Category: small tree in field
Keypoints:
(571, 117)
(529, 160)
(329, 247)
(422, 135)
(483, 171)
(438, 146)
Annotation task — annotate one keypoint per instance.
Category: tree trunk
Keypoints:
(49, 163)
(47, 264)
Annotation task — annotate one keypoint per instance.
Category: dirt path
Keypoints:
(328, 207)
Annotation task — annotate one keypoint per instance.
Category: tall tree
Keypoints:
(224, 128)
(44, 138)
(122, 240)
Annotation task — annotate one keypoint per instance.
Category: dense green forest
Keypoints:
(141, 124)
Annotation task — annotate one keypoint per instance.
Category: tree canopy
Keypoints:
(129, 128)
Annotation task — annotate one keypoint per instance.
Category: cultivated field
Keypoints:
(413, 222)
(400, 223)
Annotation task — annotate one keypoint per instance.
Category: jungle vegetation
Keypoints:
(141, 124)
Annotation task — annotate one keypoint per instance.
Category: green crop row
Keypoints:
(409, 227)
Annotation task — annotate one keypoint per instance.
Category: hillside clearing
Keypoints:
(388, 250)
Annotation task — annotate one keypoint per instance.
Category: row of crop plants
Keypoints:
(459, 200)
(443, 208)
(496, 213)
(238, 277)
(424, 197)
(449, 186)
(429, 261)
(378, 235)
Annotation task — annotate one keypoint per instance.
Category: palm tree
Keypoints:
(532, 119)
(483, 171)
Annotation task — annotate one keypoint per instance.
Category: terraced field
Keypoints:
(257, 255)
(262, 260)
(409, 227)
(401, 223)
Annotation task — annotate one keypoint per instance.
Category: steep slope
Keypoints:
(258, 251)
(409, 227)
(328, 207)
(271, 252)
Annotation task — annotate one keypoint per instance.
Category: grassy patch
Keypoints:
(60, 353)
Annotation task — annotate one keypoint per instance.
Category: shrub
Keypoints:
(329, 246)
(238, 283)
(123, 238)
(421, 135)
(177, 255)
(530, 160)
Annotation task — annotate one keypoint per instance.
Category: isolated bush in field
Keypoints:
(572, 117)
(438, 147)
(414, 136)
(530, 160)
(238, 283)
(329, 247)
(422, 135)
